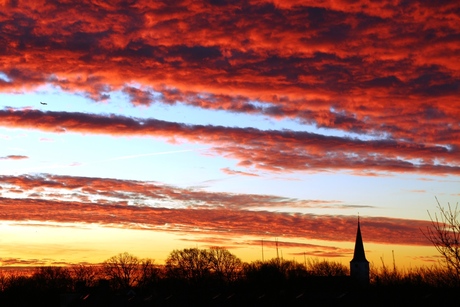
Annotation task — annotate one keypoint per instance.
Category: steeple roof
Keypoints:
(359, 254)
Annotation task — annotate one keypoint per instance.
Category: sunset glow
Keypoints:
(161, 125)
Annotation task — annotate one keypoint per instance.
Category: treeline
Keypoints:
(198, 277)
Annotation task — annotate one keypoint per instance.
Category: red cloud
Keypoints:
(268, 150)
(340, 65)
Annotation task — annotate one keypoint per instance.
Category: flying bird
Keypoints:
(43, 103)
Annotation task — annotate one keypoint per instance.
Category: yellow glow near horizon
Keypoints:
(61, 244)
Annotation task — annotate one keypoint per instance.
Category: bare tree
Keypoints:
(122, 270)
(444, 233)
(148, 273)
(195, 264)
(224, 263)
(85, 275)
(189, 263)
(52, 278)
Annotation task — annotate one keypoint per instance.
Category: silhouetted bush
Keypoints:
(273, 273)
(435, 276)
(264, 273)
(326, 268)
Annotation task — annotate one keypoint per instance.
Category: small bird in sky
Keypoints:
(43, 103)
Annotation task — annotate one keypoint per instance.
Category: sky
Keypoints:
(149, 126)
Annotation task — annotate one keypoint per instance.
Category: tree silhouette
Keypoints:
(189, 263)
(149, 273)
(195, 264)
(444, 233)
(265, 273)
(260, 283)
(226, 265)
(125, 270)
(85, 275)
(52, 278)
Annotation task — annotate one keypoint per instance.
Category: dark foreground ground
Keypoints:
(311, 292)
(365, 297)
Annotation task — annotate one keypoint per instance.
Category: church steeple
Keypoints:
(359, 266)
(359, 254)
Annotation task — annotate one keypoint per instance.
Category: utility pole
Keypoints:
(277, 254)
(263, 250)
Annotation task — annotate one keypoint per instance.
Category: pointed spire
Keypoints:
(359, 266)
(359, 254)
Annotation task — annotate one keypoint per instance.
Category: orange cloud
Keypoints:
(222, 222)
(26, 262)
